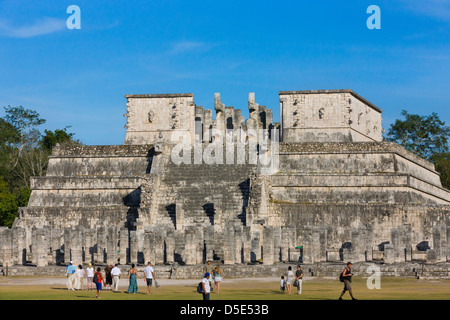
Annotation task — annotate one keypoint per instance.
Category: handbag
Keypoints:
(295, 283)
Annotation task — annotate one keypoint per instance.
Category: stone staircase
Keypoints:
(203, 190)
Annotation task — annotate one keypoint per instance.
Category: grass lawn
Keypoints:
(237, 289)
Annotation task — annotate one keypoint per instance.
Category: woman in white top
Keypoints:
(90, 276)
(289, 279)
(79, 278)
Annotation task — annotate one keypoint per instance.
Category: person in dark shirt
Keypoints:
(299, 277)
(347, 276)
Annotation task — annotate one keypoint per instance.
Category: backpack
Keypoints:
(95, 278)
(341, 277)
(200, 288)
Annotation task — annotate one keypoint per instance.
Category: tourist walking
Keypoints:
(90, 276)
(71, 276)
(208, 268)
(108, 277)
(206, 288)
(149, 275)
(346, 277)
(116, 274)
(98, 281)
(80, 274)
(217, 278)
(132, 279)
(289, 279)
(299, 278)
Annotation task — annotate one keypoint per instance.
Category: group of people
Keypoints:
(290, 279)
(211, 274)
(108, 281)
(76, 276)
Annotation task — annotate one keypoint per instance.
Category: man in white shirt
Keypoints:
(149, 276)
(206, 287)
(116, 274)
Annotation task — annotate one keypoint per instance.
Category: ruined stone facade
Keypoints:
(187, 188)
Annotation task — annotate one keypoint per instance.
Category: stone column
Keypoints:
(190, 247)
(229, 245)
(398, 248)
(89, 245)
(389, 253)
(209, 240)
(440, 242)
(268, 245)
(123, 255)
(67, 245)
(149, 246)
(311, 247)
(111, 245)
(20, 251)
(170, 246)
(256, 247)
(247, 244)
(101, 245)
(285, 234)
(76, 246)
(40, 248)
(6, 236)
(358, 247)
(179, 214)
(277, 244)
(159, 246)
(133, 247)
(238, 244)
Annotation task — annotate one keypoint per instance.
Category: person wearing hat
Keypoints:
(205, 286)
(116, 274)
(208, 268)
(90, 276)
(71, 276)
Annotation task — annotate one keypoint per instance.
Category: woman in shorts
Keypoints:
(289, 279)
(217, 278)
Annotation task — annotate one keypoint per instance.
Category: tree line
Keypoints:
(24, 151)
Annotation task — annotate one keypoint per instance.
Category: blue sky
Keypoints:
(79, 78)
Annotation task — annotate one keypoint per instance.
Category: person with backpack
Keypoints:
(346, 278)
(206, 288)
(98, 280)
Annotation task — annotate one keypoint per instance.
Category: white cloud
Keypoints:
(189, 46)
(40, 27)
(439, 9)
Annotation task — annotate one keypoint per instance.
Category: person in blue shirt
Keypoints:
(71, 276)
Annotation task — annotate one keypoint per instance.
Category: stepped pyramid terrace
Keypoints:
(185, 187)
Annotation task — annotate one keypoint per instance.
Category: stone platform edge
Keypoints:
(233, 271)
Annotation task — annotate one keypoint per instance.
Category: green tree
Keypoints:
(8, 205)
(23, 153)
(422, 135)
(61, 136)
(442, 164)
(426, 136)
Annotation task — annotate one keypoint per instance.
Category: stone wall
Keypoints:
(328, 116)
(329, 270)
(365, 201)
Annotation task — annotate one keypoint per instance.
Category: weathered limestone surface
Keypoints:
(186, 188)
